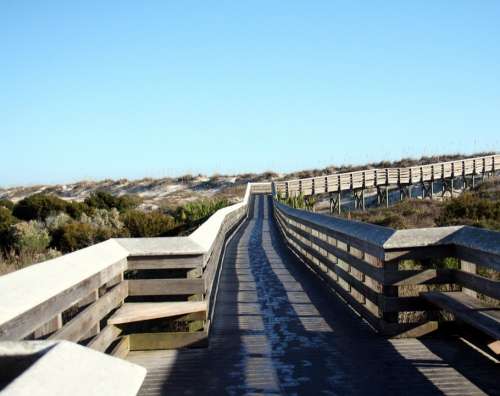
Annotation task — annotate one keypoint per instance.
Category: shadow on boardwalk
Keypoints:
(277, 330)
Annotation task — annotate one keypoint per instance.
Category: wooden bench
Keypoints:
(472, 311)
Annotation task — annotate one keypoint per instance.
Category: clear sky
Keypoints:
(110, 89)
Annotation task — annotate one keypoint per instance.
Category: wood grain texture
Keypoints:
(30, 320)
(135, 312)
(122, 348)
(174, 340)
(105, 338)
(164, 262)
(165, 287)
(468, 309)
(77, 327)
(278, 329)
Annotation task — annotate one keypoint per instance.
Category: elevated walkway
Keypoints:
(278, 331)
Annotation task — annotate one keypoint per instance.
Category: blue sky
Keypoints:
(132, 89)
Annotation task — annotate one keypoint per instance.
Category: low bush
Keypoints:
(73, 236)
(196, 212)
(29, 237)
(77, 209)
(12, 261)
(103, 218)
(151, 224)
(6, 221)
(38, 207)
(471, 209)
(6, 203)
(411, 213)
(298, 201)
(54, 222)
(105, 200)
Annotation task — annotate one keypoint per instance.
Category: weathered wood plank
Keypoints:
(165, 287)
(135, 312)
(122, 349)
(30, 320)
(495, 347)
(359, 264)
(468, 309)
(152, 341)
(105, 338)
(344, 274)
(77, 327)
(418, 277)
(477, 283)
(52, 325)
(164, 262)
(471, 268)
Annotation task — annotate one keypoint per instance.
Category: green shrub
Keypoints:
(13, 261)
(77, 209)
(6, 203)
(299, 201)
(392, 220)
(73, 236)
(29, 237)
(6, 217)
(54, 222)
(6, 221)
(38, 207)
(103, 218)
(199, 211)
(471, 209)
(105, 200)
(151, 224)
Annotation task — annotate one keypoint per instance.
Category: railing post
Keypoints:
(388, 292)
(92, 298)
(484, 168)
(452, 178)
(432, 182)
(50, 327)
(474, 170)
(471, 268)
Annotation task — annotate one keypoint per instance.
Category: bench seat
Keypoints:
(470, 310)
(136, 312)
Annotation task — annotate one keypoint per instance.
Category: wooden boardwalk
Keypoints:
(277, 330)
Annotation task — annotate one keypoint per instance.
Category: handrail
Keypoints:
(385, 176)
(56, 368)
(362, 262)
(34, 298)
(95, 275)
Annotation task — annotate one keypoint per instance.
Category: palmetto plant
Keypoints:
(196, 212)
(298, 201)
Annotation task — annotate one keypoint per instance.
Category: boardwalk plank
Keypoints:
(276, 330)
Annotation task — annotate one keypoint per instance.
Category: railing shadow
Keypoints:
(278, 331)
(208, 370)
(345, 355)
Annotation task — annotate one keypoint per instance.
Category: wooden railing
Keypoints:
(72, 297)
(389, 176)
(385, 274)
